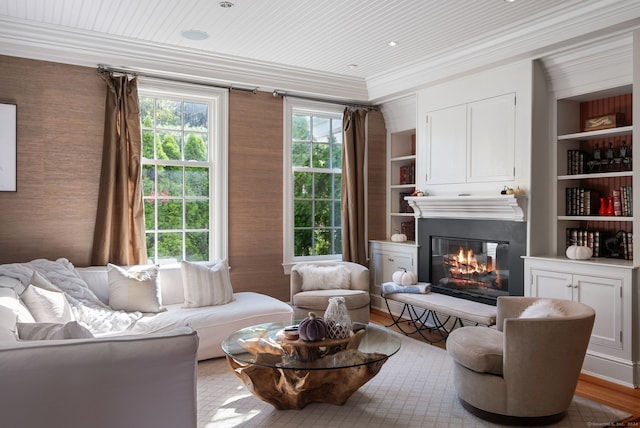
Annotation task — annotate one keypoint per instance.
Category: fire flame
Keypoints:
(467, 263)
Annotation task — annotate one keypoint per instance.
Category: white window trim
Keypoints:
(303, 106)
(218, 149)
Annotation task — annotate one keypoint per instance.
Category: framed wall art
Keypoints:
(8, 126)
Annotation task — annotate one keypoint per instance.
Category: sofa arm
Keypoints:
(123, 381)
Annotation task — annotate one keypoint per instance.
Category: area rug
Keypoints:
(413, 389)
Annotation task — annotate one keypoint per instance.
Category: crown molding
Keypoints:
(70, 46)
(591, 67)
(585, 21)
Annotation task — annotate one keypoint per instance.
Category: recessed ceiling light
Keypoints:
(194, 35)
(393, 43)
(352, 66)
(225, 4)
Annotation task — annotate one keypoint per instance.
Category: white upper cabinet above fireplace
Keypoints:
(474, 133)
(473, 142)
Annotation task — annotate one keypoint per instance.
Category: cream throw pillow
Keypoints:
(542, 309)
(206, 283)
(52, 331)
(134, 288)
(45, 302)
(316, 277)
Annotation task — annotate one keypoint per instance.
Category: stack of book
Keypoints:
(575, 162)
(408, 173)
(582, 201)
(585, 238)
(623, 202)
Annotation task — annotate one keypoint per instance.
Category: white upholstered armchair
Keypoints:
(312, 284)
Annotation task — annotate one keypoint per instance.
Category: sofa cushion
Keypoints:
(316, 277)
(478, 349)
(134, 288)
(206, 283)
(318, 299)
(7, 324)
(46, 303)
(52, 331)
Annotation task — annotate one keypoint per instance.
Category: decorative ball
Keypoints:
(403, 277)
(313, 328)
(579, 252)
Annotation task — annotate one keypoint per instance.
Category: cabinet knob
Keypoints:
(391, 260)
(569, 285)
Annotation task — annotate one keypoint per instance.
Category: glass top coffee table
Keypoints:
(289, 374)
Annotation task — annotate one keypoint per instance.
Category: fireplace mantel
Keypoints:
(502, 207)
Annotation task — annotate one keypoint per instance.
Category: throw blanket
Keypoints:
(87, 308)
(392, 287)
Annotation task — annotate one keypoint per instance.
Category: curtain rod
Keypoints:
(104, 69)
(278, 93)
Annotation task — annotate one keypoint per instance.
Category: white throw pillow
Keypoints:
(542, 309)
(47, 305)
(134, 288)
(9, 299)
(316, 277)
(52, 331)
(206, 283)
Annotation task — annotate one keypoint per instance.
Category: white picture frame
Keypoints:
(8, 149)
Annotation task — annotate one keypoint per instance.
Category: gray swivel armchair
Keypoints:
(525, 370)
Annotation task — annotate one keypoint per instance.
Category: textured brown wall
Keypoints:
(255, 193)
(377, 179)
(60, 127)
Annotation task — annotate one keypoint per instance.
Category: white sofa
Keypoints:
(142, 377)
(212, 323)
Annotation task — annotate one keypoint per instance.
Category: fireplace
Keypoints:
(473, 259)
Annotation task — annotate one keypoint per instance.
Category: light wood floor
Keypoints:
(614, 395)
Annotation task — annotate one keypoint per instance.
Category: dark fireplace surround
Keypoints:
(506, 238)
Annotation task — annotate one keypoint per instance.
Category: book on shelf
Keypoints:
(403, 205)
(408, 173)
(585, 238)
(575, 162)
(408, 228)
(580, 201)
(626, 200)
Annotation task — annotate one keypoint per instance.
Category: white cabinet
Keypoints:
(472, 142)
(386, 258)
(604, 294)
(610, 289)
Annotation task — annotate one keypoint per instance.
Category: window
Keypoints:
(184, 165)
(313, 173)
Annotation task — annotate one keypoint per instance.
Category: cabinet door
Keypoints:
(554, 285)
(447, 145)
(605, 296)
(391, 262)
(491, 139)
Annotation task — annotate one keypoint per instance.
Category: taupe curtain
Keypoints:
(119, 232)
(354, 239)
